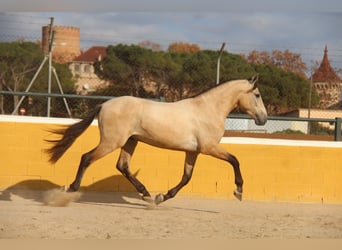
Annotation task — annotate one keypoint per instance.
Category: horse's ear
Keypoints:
(254, 80)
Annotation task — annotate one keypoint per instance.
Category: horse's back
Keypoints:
(157, 123)
(122, 105)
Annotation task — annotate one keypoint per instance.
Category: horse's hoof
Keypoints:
(159, 199)
(148, 199)
(70, 190)
(238, 195)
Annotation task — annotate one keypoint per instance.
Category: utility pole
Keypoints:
(309, 105)
(218, 63)
(52, 33)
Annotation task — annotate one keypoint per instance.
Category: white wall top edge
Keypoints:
(224, 140)
(281, 142)
(37, 119)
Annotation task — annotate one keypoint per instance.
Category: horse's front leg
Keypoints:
(238, 177)
(190, 160)
(123, 166)
(220, 153)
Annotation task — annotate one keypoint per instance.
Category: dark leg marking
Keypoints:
(132, 179)
(84, 164)
(238, 177)
(220, 153)
(86, 159)
(190, 160)
(123, 166)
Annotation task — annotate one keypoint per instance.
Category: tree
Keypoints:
(19, 62)
(150, 45)
(192, 73)
(285, 60)
(183, 47)
(127, 65)
(256, 57)
(234, 67)
(180, 75)
(283, 91)
(289, 61)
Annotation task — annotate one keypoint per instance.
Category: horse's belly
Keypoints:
(170, 142)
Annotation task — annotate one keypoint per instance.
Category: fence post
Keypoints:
(338, 122)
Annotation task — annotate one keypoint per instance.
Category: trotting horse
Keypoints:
(194, 125)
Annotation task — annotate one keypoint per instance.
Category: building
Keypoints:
(316, 113)
(327, 83)
(82, 68)
(66, 49)
(66, 42)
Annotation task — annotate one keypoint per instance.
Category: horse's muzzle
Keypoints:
(260, 120)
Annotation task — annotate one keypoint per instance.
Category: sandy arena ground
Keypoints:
(124, 216)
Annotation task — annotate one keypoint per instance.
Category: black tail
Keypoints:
(70, 134)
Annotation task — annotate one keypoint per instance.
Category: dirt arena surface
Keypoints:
(23, 215)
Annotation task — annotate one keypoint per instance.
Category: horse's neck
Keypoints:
(222, 98)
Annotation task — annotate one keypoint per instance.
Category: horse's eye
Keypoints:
(257, 95)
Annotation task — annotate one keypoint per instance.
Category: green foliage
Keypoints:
(282, 90)
(19, 62)
(195, 73)
(184, 73)
(189, 73)
(234, 67)
(129, 67)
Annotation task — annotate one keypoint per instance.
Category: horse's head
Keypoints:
(251, 102)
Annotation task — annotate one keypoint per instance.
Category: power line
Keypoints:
(23, 14)
(88, 39)
(123, 38)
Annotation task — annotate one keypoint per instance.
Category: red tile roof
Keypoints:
(325, 73)
(92, 54)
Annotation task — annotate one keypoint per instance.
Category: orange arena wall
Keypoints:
(273, 170)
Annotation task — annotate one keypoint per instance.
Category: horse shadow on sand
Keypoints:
(105, 191)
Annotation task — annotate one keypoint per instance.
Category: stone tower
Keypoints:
(327, 83)
(66, 44)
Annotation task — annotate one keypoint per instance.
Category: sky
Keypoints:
(302, 26)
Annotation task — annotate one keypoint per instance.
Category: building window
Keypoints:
(77, 68)
(86, 68)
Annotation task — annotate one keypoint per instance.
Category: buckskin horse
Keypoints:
(194, 125)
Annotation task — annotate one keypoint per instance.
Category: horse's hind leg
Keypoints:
(86, 159)
(190, 160)
(123, 166)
